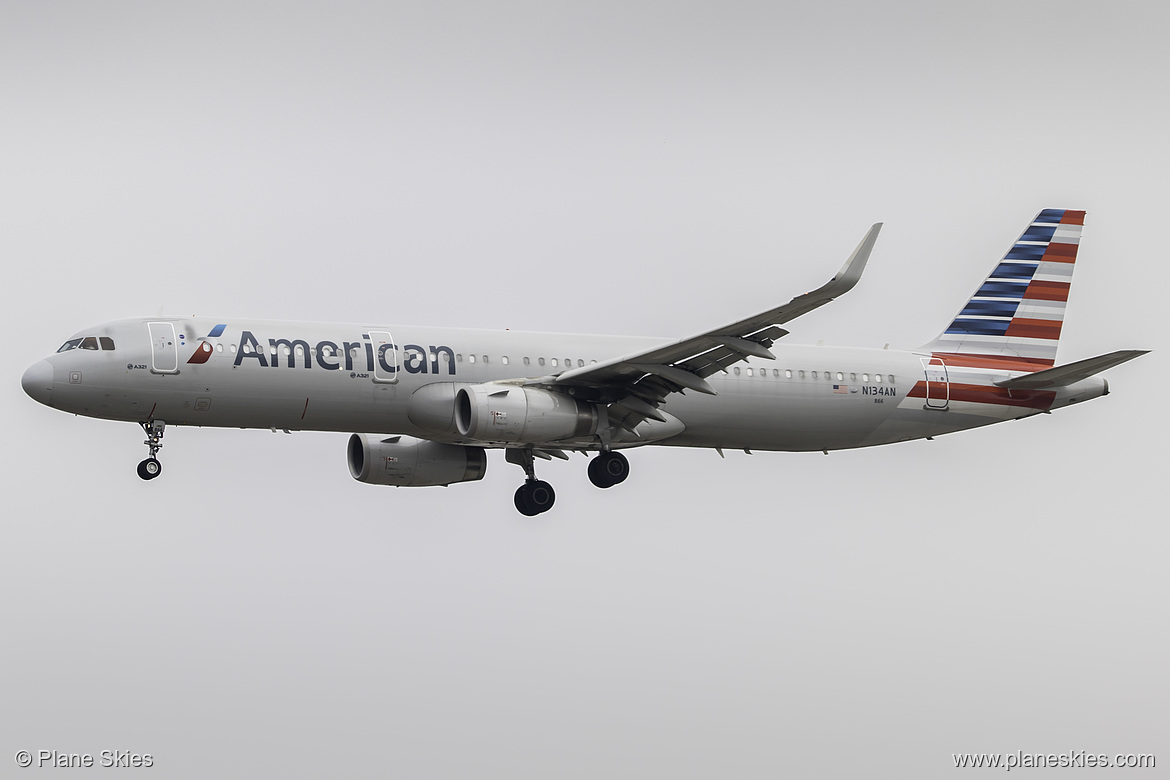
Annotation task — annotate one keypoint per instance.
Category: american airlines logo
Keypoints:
(204, 349)
(350, 355)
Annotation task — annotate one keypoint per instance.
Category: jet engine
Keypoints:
(403, 461)
(510, 413)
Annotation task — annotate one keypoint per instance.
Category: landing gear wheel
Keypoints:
(534, 497)
(608, 469)
(149, 468)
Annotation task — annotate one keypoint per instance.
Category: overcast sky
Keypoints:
(655, 169)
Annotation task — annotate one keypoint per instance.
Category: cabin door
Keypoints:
(938, 388)
(385, 357)
(164, 351)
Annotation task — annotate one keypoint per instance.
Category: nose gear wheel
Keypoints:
(151, 468)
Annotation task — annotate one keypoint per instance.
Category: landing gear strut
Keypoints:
(608, 469)
(151, 468)
(534, 496)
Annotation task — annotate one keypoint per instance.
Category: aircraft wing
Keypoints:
(642, 380)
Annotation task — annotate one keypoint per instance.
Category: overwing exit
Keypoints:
(428, 403)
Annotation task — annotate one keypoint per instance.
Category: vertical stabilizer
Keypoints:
(1018, 311)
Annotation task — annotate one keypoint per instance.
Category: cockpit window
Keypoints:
(87, 342)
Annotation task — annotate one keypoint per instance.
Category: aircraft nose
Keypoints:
(38, 382)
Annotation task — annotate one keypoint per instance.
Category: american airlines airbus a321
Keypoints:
(430, 401)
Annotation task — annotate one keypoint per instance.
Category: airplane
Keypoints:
(428, 402)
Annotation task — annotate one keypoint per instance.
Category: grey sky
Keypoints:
(589, 168)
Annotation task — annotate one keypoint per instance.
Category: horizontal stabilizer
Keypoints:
(1062, 376)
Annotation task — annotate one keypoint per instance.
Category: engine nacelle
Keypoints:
(510, 413)
(404, 461)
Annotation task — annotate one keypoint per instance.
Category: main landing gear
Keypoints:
(151, 468)
(536, 496)
(608, 469)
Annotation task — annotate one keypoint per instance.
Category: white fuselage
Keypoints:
(337, 377)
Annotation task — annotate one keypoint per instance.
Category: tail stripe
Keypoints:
(1001, 290)
(1017, 312)
(1014, 271)
(989, 308)
(1029, 252)
(1039, 232)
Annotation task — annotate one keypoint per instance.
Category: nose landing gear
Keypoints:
(151, 468)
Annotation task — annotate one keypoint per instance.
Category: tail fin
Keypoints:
(1018, 311)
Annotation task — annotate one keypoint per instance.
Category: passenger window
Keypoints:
(471, 358)
(788, 373)
(568, 362)
(877, 378)
(106, 342)
(853, 377)
(504, 360)
(736, 370)
(553, 361)
(219, 347)
(840, 376)
(540, 361)
(749, 372)
(865, 377)
(802, 373)
(89, 342)
(891, 379)
(527, 362)
(485, 359)
(814, 375)
(580, 363)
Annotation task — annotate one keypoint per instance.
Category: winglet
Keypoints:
(850, 273)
